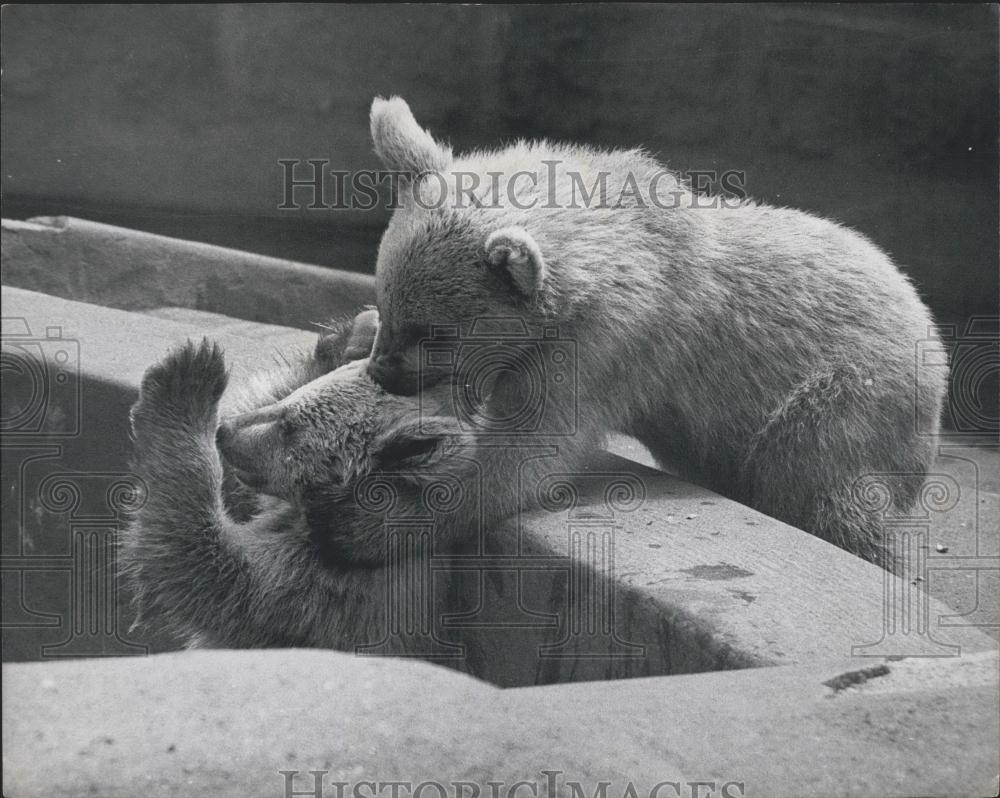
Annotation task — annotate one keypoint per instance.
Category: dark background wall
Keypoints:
(173, 118)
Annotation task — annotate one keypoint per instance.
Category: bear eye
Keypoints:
(287, 427)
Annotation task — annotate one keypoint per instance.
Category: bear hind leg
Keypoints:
(807, 464)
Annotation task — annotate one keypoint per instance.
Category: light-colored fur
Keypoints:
(766, 352)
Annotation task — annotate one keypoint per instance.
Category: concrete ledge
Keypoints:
(682, 581)
(120, 268)
(116, 347)
(226, 723)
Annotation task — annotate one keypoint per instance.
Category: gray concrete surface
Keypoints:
(963, 541)
(126, 269)
(226, 723)
(118, 346)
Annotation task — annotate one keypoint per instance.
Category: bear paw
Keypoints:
(351, 342)
(182, 389)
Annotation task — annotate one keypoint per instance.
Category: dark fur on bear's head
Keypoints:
(302, 559)
(315, 448)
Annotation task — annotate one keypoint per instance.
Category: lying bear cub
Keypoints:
(289, 558)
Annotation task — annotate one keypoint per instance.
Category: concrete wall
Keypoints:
(172, 118)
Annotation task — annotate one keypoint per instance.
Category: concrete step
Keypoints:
(271, 723)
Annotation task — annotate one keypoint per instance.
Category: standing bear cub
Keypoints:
(764, 352)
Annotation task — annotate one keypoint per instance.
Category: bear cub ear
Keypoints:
(513, 249)
(400, 143)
